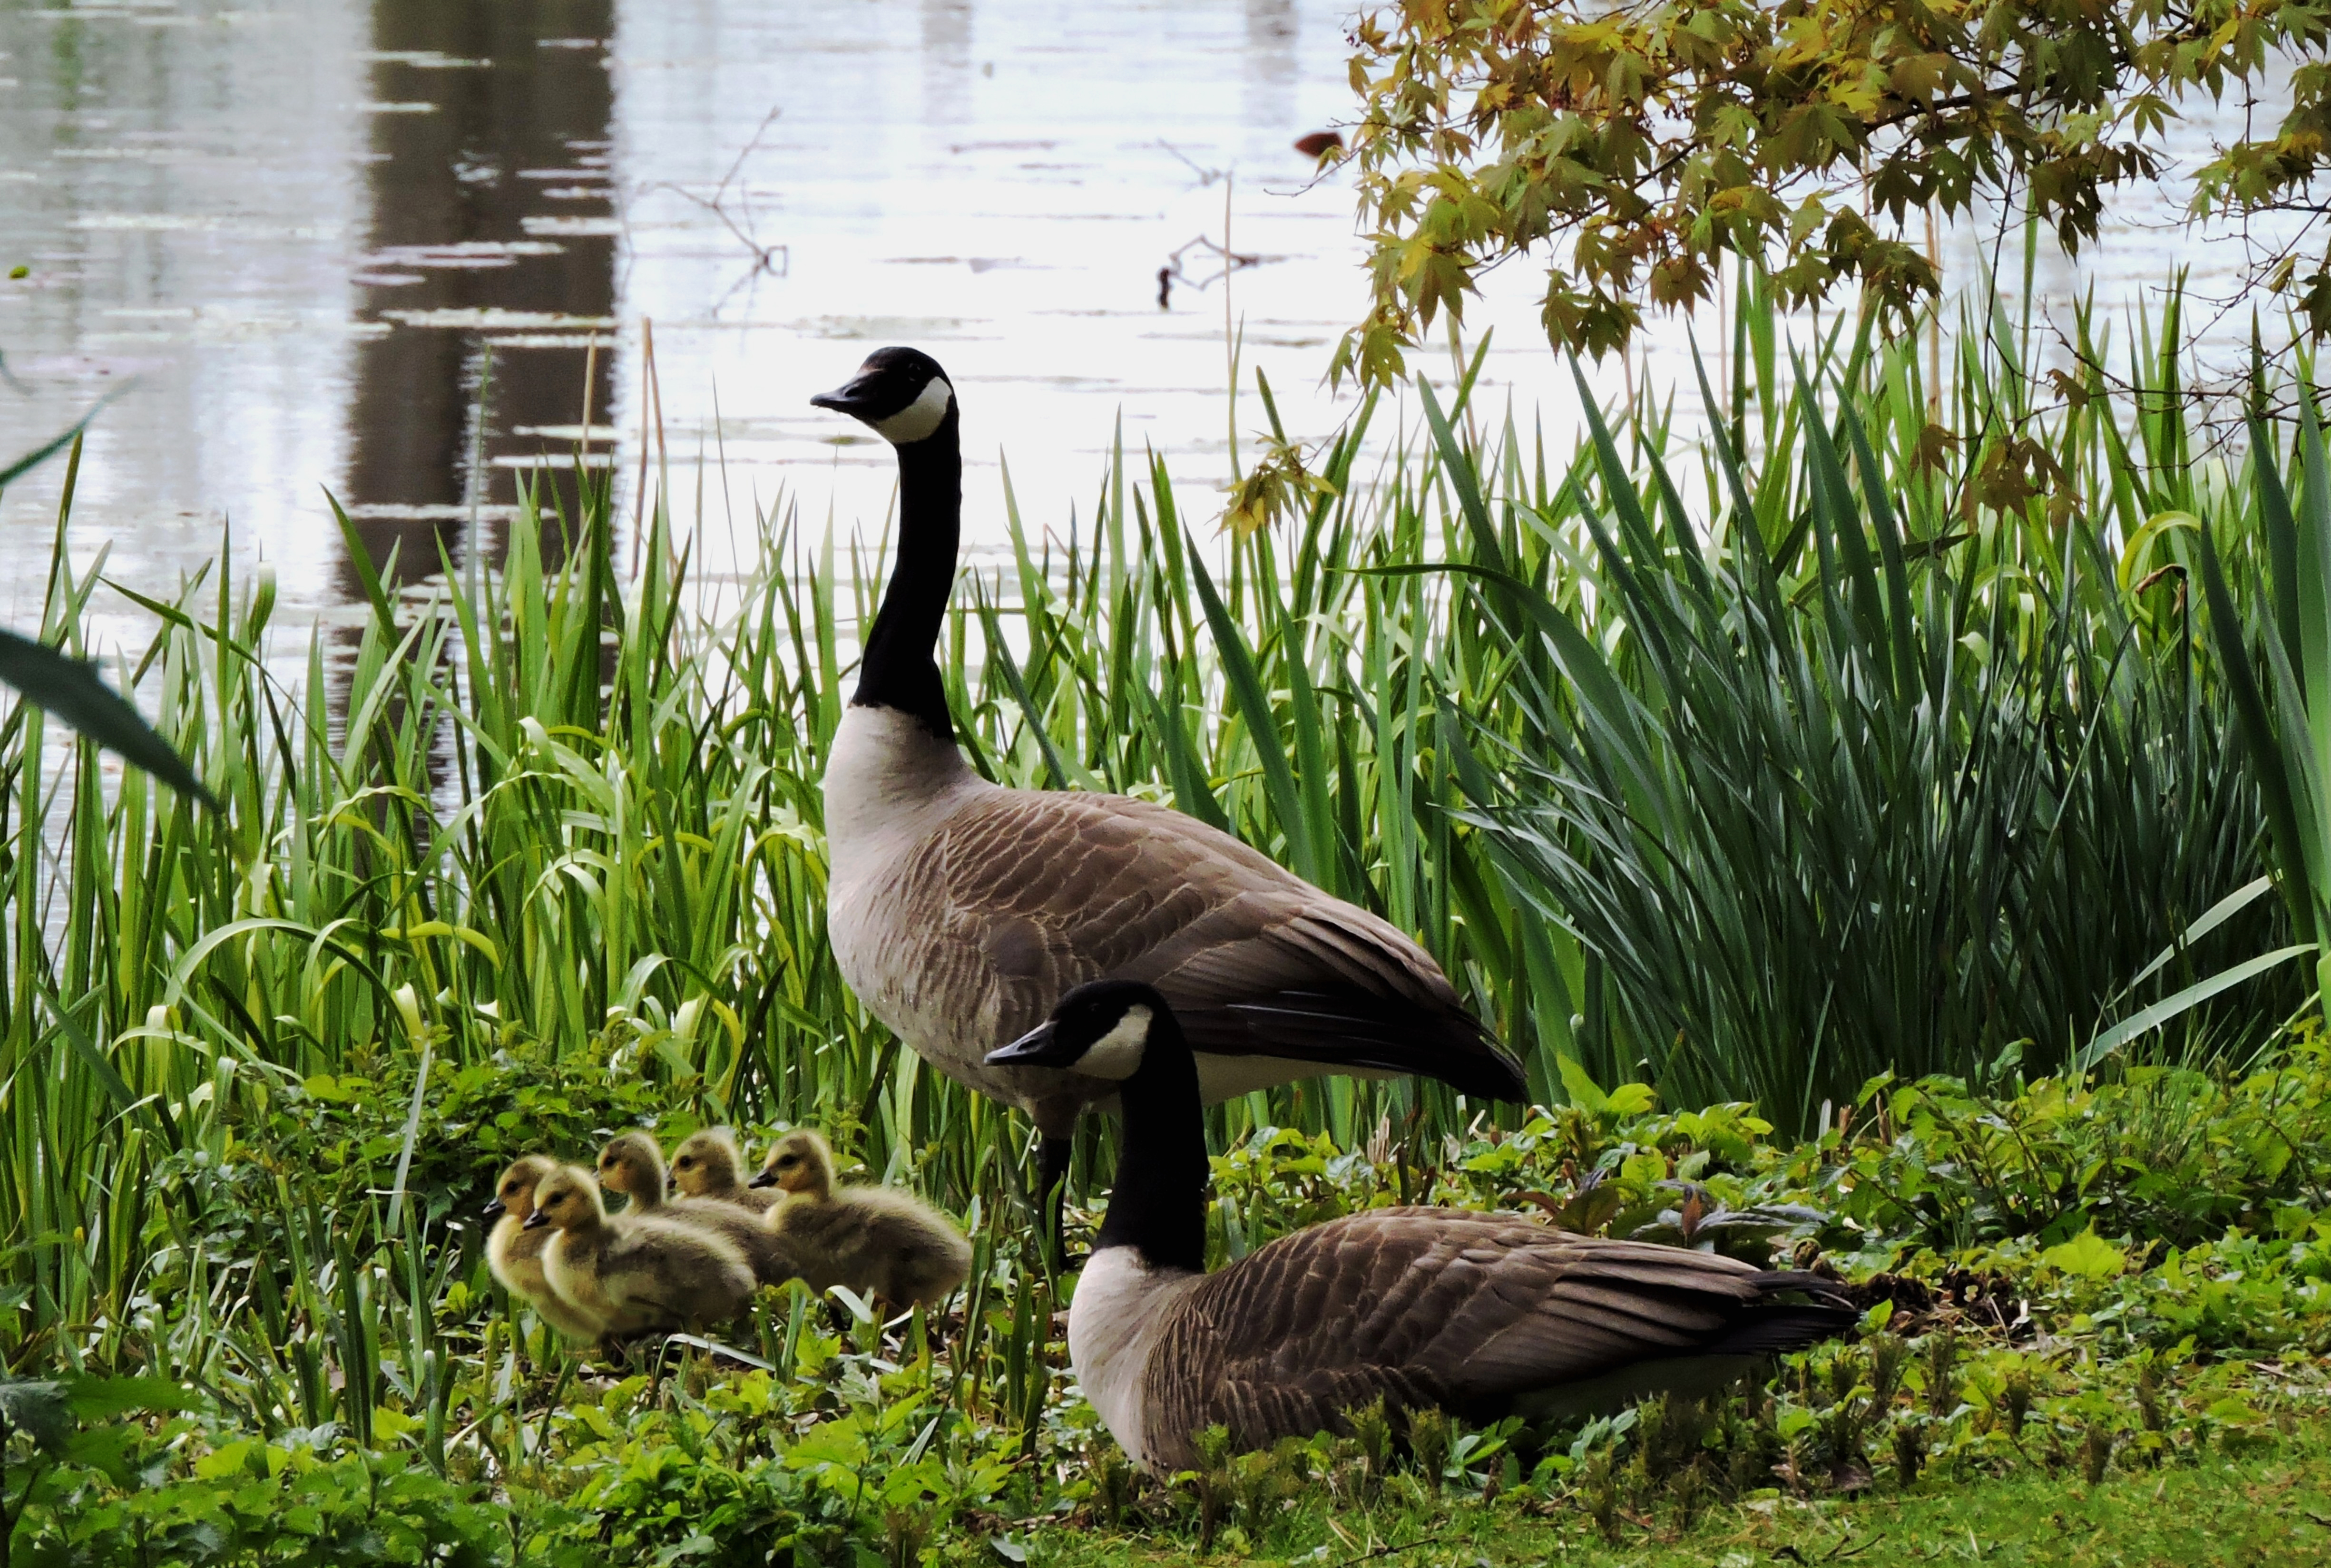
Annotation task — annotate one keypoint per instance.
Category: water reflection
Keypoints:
(303, 223)
(947, 62)
(489, 186)
(1269, 64)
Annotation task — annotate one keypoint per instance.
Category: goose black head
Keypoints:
(1101, 1030)
(899, 393)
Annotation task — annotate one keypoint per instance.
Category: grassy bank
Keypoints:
(2078, 1290)
(2261, 1507)
(1864, 764)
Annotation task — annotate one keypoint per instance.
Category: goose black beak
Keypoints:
(1040, 1047)
(494, 1211)
(764, 1179)
(535, 1221)
(855, 398)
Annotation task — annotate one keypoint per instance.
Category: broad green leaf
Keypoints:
(39, 1407)
(69, 689)
(2089, 1255)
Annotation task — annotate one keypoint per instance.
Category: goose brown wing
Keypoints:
(1439, 1308)
(1045, 891)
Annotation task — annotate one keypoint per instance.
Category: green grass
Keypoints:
(2264, 1507)
(1834, 751)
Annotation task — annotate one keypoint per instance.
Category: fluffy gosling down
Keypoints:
(635, 1274)
(515, 1253)
(707, 1164)
(631, 1164)
(1478, 1314)
(877, 1240)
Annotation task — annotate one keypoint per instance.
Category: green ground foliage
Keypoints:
(1804, 806)
(2049, 1309)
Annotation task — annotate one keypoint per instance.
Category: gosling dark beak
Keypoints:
(1040, 1047)
(765, 1179)
(535, 1221)
(855, 397)
(494, 1211)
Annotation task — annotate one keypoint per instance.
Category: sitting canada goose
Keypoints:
(1478, 1314)
(514, 1253)
(879, 1240)
(637, 1274)
(708, 1166)
(631, 1164)
(960, 910)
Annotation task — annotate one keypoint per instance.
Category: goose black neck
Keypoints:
(1159, 1203)
(898, 669)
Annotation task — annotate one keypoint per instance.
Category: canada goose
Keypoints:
(960, 910)
(876, 1240)
(635, 1274)
(1478, 1314)
(514, 1253)
(708, 1166)
(631, 1164)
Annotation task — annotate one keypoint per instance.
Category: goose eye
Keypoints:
(790, 1160)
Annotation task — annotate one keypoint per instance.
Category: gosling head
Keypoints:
(632, 1165)
(799, 1162)
(1101, 1030)
(568, 1198)
(899, 393)
(707, 1164)
(514, 1194)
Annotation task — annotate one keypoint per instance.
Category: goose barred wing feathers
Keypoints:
(1021, 896)
(1442, 1308)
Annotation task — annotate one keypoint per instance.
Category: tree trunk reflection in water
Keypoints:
(518, 131)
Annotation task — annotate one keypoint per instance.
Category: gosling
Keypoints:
(707, 1165)
(879, 1240)
(635, 1274)
(632, 1165)
(515, 1253)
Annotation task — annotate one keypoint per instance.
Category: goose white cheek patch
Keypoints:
(1117, 1055)
(915, 421)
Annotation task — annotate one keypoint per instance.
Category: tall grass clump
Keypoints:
(1882, 758)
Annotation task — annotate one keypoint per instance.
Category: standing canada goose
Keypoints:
(960, 911)
(1481, 1314)
(632, 1274)
(708, 1166)
(631, 1164)
(880, 1241)
(514, 1253)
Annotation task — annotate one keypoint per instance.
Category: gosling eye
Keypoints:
(789, 1160)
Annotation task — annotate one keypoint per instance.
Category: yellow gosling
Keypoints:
(514, 1253)
(707, 1164)
(880, 1241)
(636, 1273)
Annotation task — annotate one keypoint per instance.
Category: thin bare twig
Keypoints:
(775, 260)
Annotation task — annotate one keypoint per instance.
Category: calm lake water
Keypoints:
(307, 230)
